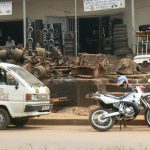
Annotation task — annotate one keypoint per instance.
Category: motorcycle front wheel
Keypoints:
(98, 122)
(147, 117)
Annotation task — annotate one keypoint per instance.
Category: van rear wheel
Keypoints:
(145, 64)
(20, 122)
(4, 119)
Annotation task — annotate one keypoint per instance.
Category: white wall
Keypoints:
(38, 9)
(142, 12)
(16, 10)
(142, 16)
(41, 9)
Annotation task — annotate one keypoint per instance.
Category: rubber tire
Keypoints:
(123, 51)
(6, 118)
(117, 33)
(116, 36)
(146, 120)
(95, 127)
(20, 122)
(121, 44)
(121, 39)
(120, 30)
(120, 25)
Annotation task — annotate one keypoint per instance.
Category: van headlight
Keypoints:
(34, 97)
(31, 97)
(37, 97)
(48, 96)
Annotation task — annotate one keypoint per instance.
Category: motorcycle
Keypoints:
(114, 108)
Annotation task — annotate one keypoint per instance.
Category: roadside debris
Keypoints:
(52, 64)
(128, 67)
(99, 66)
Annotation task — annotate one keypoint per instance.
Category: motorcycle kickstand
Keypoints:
(125, 125)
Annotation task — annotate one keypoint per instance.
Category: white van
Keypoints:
(22, 96)
(142, 59)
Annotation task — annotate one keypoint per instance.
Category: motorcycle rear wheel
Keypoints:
(147, 117)
(98, 122)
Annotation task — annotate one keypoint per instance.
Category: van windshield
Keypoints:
(27, 76)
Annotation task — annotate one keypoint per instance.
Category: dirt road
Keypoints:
(74, 138)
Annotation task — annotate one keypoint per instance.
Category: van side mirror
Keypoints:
(17, 85)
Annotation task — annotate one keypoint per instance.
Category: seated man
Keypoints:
(10, 44)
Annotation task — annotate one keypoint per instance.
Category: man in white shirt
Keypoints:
(10, 44)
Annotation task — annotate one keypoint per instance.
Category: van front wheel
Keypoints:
(20, 122)
(4, 119)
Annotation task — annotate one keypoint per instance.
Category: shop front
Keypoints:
(94, 28)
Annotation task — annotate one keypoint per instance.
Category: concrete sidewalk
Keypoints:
(72, 119)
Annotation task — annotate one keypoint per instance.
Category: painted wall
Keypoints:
(42, 9)
(38, 9)
(142, 11)
(16, 10)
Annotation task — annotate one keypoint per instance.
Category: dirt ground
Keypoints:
(75, 110)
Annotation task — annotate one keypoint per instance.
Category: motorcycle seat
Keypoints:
(116, 97)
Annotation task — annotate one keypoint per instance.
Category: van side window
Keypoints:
(10, 79)
(6, 78)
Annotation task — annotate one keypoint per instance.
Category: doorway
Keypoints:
(89, 35)
(14, 29)
(95, 34)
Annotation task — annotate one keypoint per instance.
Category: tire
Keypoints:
(20, 122)
(121, 39)
(115, 33)
(116, 36)
(103, 124)
(123, 51)
(4, 119)
(120, 25)
(120, 30)
(147, 117)
(120, 53)
(121, 44)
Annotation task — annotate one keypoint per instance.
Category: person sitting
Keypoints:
(10, 44)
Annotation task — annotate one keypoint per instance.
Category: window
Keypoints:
(6, 78)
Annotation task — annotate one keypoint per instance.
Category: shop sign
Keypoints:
(93, 5)
(5, 7)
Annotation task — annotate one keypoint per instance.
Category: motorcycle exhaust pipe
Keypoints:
(111, 114)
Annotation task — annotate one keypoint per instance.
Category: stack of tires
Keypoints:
(120, 40)
(69, 45)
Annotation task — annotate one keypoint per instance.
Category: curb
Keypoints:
(76, 122)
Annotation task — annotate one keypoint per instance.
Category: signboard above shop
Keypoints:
(94, 5)
(5, 7)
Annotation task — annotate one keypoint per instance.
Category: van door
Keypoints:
(12, 91)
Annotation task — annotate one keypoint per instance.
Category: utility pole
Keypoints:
(133, 25)
(76, 33)
(24, 22)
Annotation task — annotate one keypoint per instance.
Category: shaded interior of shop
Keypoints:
(13, 29)
(94, 33)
